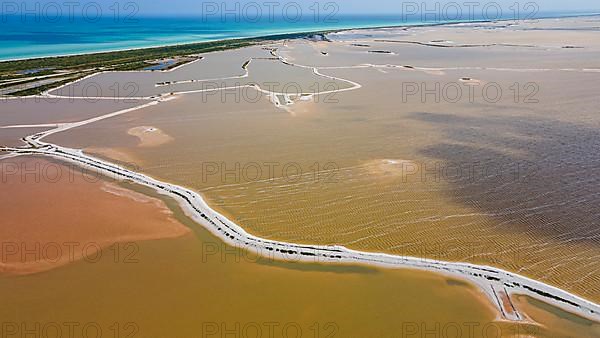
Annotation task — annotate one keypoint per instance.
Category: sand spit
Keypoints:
(150, 136)
(61, 227)
(470, 81)
(389, 167)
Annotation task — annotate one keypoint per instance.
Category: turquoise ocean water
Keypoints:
(28, 37)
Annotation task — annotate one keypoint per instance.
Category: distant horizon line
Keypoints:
(340, 14)
(302, 30)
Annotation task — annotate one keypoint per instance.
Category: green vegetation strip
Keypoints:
(135, 59)
(121, 60)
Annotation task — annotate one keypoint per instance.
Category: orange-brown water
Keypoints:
(55, 214)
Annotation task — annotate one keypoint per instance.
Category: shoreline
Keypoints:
(287, 35)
